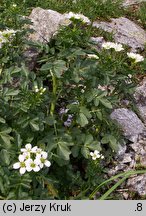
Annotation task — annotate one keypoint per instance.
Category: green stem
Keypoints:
(52, 109)
(54, 94)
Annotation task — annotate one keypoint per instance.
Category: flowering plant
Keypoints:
(60, 111)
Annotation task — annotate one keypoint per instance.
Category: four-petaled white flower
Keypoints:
(21, 164)
(43, 160)
(136, 57)
(96, 155)
(32, 165)
(28, 148)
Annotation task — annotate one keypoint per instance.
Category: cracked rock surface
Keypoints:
(125, 31)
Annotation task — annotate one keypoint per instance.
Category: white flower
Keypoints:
(8, 33)
(40, 90)
(31, 159)
(43, 160)
(92, 56)
(28, 148)
(96, 155)
(109, 45)
(118, 47)
(21, 164)
(77, 16)
(136, 57)
(32, 165)
(14, 5)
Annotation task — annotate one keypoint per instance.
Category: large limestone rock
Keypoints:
(45, 24)
(125, 31)
(129, 122)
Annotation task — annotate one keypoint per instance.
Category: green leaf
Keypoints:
(34, 124)
(99, 115)
(11, 92)
(2, 120)
(47, 67)
(63, 151)
(95, 145)
(5, 157)
(113, 143)
(105, 139)
(75, 151)
(96, 102)
(88, 139)
(82, 119)
(85, 111)
(59, 67)
(106, 103)
(85, 152)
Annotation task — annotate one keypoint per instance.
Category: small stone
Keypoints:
(140, 99)
(137, 184)
(129, 122)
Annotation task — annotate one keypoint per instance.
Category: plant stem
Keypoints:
(52, 109)
(54, 94)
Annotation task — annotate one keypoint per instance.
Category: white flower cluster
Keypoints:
(118, 47)
(31, 159)
(96, 155)
(77, 16)
(39, 90)
(110, 45)
(6, 35)
(136, 57)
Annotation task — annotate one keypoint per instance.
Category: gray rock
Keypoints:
(132, 2)
(140, 99)
(125, 31)
(137, 184)
(129, 122)
(45, 24)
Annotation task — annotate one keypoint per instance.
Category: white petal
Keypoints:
(97, 156)
(37, 161)
(28, 168)
(96, 152)
(23, 150)
(28, 146)
(16, 165)
(91, 153)
(41, 165)
(28, 162)
(34, 149)
(38, 156)
(36, 169)
(22, 170)
(47, 163)
(94, 158)
(21, 158)
(44, 154)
